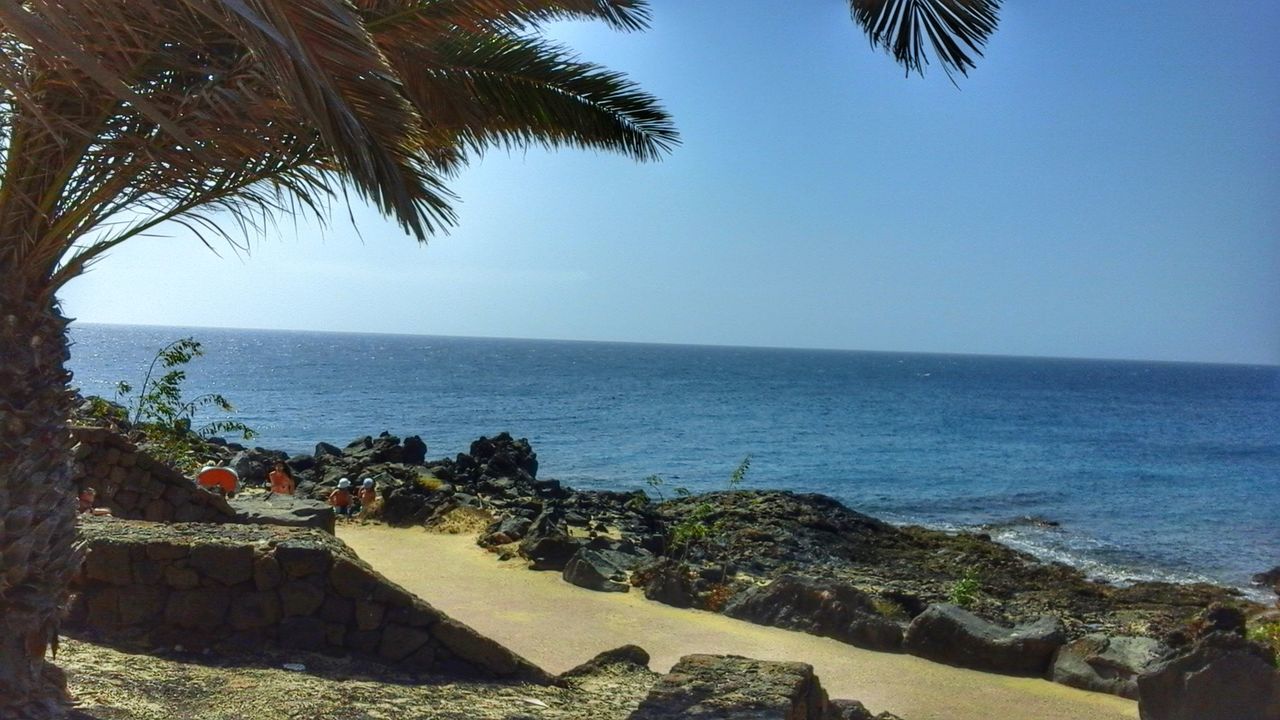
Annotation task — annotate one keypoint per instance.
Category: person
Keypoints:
(281, 479)
(87, 498)
(341, 499)
(367, 496)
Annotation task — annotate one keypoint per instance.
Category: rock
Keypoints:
(415, 451)
(624, 655)
(949, 634)
(551, 552)
(1270, 578)
(482, 652)
(303, 633)
(669, 583)
(286, 510)
(109, 563)
(1219, 618)
(201, 609)
(300, 558)
(602, 570)
(252, 465)
(1100, 663)
(823, 608)
(728, 687)
(300, 464)
(1222, 677)
(854, 710)
(228, 564)
(325, 451)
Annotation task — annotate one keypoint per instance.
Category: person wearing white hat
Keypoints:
(341, 499)
(367, 495)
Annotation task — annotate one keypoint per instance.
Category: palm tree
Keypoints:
(119, 115)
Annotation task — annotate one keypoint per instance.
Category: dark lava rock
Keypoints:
(854, 710)
(602, 570)
(624, 655)
(727, 687)
(668, 582)
(551, 552)
(1222, 677)
(1270, 578)
(415, 450)
(1219, 618)
(324, 450)
(820, 608)
(949, 634)
(1106, 664)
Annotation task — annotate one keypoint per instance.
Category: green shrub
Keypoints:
(965, 589)
(161, 412)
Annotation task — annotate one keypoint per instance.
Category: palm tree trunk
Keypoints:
(38, 550)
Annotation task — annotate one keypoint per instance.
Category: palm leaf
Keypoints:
(954, 30)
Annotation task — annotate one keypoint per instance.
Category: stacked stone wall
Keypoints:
(248, 587)
(136, 486)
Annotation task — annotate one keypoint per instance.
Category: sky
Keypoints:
(1105, 184)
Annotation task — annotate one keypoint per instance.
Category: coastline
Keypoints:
(556, 625)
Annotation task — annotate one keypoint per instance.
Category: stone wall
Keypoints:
(247, 587)
(136, 486)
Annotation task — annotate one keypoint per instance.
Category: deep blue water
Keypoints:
(1153, 470)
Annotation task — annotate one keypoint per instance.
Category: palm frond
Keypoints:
(954, 30)
(508, 90)
(518, 15)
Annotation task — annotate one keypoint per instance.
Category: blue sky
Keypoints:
(1105, 184)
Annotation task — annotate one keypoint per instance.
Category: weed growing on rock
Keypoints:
(1267, 634)
(965, 589)
(694, 527)
(161, 412)
(656, 482)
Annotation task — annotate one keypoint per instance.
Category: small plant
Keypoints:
(1267, 634)
(165, 416)
(965, 589)
(739, 473)
(695, 528)
(656, 482)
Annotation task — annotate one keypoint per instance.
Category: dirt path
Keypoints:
(558, 625)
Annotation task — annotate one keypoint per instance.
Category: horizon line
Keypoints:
(695, 345)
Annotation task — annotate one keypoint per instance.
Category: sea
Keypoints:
(1128, 470)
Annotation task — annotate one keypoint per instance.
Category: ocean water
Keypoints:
(1149, 470)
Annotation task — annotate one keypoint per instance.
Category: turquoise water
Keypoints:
(1152, 470)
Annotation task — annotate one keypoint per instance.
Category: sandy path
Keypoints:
(557, 625)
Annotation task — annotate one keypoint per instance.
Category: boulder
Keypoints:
(1221, 677)
(669, 582)
(1106, 664)
(325, 450)
(551, 552)
(824, 608)
(854, 710)
(602, 570)
(624, 655)
(725, 687)
(949, 634)
(415, 451)
(252, 465)
(1270, 578)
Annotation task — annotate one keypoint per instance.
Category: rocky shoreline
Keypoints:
(804, 562)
